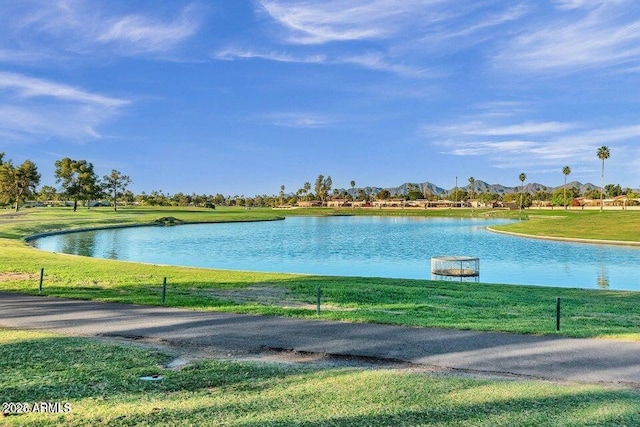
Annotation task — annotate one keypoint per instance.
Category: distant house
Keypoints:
(338, 203)
(389, 203)
(309, 203)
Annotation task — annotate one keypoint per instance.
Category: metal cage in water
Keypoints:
(455, 267)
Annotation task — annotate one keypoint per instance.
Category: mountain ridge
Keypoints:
(479, 187)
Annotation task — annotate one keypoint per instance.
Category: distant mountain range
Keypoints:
(479, 187)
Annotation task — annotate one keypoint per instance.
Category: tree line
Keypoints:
(80, 184)
(77, 178)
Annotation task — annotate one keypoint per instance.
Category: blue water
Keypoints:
(399, 247)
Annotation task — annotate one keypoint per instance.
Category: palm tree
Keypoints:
(353, 185)
(603, 154)
(522, 177)
(307, 188)
(472, 181)
(566, 171)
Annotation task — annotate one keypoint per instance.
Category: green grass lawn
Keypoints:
(592, 224)
(100, 383)
(521, 309)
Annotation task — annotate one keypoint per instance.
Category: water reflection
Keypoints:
(603, 278)
(112, 253)
(79, 244)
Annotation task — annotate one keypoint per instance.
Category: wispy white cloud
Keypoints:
(31, 107)
(233, 53)
(377, 61)
(588, 34)
(139, 33)
(530, 144)
(71, 27)
(309, 22)
(455, 33)
(29, 87)
(480, 128)
(14, 56)
(577, 4)
(298, 120)
(371, 61)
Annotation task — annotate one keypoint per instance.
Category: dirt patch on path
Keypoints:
(182, 356)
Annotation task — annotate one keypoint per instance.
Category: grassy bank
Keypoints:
(522, 309)
(621, 226)
(100, 384)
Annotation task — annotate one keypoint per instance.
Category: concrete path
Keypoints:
(584, 360)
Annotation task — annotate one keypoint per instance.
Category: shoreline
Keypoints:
(568, 239)
(30, 238)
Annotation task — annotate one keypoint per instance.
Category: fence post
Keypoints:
(41, 279)
(319, 295)
(557, 314)
(164, 290)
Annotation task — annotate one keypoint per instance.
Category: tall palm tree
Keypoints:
(307, 188)
(565, 171)
(522, 177)
(472, 181)
(353, 185)
(603, 154)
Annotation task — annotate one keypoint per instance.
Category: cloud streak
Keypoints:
(530, 144)
(82, 27)
(587, 34)
(372, 61)
(298, 120)
(233, 53)
(28, 87)
(337, 20)
(31, 107)
(139, 33)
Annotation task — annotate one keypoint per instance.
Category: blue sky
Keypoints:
(242, 96)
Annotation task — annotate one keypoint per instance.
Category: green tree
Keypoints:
(307, 188)
(565, 171)
(383, 195)
(282, 195)
(472, 182)
(47, 193)
(593, 194)
(18, 183)
(323, 187)
(27, 179)
(413, 192)
(563, 196)
(353, 195)
(603, 154)
(78, 180)
(522, 177)
(458, 194)
(318, 187)
(115, 185)
(488, 197)
(613, 190)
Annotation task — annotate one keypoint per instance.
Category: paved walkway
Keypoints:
(587, 360)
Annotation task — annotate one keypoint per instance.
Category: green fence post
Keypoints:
(41, 279)
(164, 290)
(558, 314)
(319, 295)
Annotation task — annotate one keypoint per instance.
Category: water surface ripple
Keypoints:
(399, 247)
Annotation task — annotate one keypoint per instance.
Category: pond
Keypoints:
(397, 247)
